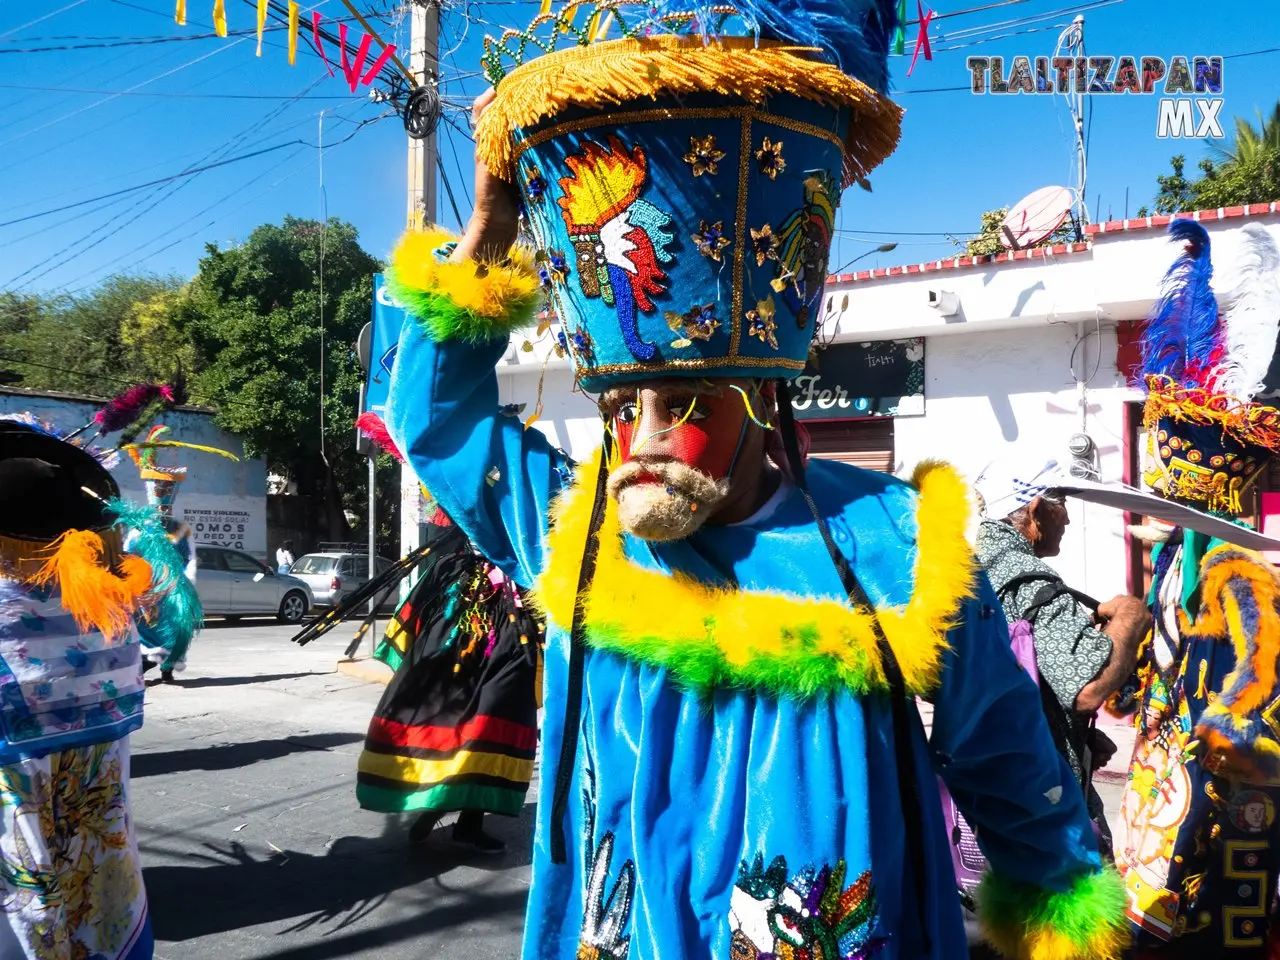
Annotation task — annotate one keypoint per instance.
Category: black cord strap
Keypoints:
(902, 706)
(577, 652)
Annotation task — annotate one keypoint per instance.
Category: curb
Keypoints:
(366, 670)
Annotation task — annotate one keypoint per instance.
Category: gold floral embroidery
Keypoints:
(760, 322)
(764, 244)
(769, 158)
(703, 155)
(710, 239)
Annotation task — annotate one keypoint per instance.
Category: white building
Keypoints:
(1027, 348)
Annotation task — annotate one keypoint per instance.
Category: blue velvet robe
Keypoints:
(714, 827)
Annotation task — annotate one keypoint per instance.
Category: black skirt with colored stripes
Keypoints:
(457, 726)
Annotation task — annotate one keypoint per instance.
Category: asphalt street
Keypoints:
(243, 795)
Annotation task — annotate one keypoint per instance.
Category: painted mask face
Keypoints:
(698, 424)
(678, 444)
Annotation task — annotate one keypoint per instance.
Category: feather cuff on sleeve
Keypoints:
(1027, 922)
(461, 301)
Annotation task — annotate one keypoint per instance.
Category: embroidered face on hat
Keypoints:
(681, 182)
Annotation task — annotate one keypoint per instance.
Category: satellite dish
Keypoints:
(1035, 217)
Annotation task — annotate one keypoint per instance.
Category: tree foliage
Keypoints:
(247, 332)
(1246, 172)
(277, 354)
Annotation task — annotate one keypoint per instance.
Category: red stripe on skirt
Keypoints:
(492, 729)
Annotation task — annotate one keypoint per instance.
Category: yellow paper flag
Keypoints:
(545, 8)
(220, 17)
(262, 22)
(180, 13)
(293, 31)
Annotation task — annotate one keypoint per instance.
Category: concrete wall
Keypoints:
(225, 502)
(990, 394)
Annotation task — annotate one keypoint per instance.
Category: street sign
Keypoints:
(388, 318)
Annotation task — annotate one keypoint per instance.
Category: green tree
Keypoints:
(1246, 172)
(989, 241)
(76, 344)
(285, 383)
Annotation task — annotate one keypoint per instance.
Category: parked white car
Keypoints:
(233, 584)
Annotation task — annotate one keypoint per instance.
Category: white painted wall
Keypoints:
(990, 394)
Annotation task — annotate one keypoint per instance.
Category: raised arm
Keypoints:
(494, 478)
(1047, 893)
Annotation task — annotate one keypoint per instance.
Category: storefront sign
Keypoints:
(881, 378)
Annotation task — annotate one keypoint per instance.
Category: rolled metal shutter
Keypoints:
(864, 443)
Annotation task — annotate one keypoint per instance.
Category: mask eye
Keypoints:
(678, 407)
(626, 412)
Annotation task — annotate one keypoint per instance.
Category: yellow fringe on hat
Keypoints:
(90, 590)
(622, 71)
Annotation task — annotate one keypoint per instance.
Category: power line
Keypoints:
(218, 204)
(181, 96)
(47, 16)
(161, 194)
(151, 183)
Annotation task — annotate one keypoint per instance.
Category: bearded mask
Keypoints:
(676, 459)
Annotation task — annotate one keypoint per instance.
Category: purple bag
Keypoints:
(966, 857)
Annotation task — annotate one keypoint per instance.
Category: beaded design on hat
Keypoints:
(681, 182)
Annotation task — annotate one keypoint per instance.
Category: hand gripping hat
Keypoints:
(681, 181)
(1210, 372)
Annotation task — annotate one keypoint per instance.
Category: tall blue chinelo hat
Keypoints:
(681, 182)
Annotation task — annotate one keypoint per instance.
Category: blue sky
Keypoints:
(960, 154)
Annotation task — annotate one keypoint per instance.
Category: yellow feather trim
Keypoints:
(801, 646)
(623, 71)
(485, 290)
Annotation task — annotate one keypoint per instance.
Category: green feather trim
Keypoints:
(699, 664)
(463, 300)
(444, 321)
(1086, 922)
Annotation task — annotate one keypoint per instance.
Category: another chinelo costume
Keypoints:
(732, 764)
(1199, 841)
(167, 632)
(71, 691)
(458, 725)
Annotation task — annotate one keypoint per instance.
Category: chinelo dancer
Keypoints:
(733, 766)
(71, 883)
(1199, 841)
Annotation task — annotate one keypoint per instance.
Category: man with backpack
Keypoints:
(1083, 650)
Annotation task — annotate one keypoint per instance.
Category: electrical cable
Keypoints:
(41, 19)
(164, 192)
(226, 212)
(151, 183)
(178, 96)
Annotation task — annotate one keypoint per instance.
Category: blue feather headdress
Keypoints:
(1183, 339)
(1204, 363)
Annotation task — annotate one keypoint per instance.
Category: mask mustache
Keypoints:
(664, 500)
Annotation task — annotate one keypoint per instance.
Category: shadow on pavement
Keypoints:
(197, 682)
(338, 890)
(230, 756)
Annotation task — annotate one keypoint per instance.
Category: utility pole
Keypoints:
(424, 65)
(1073, 40)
